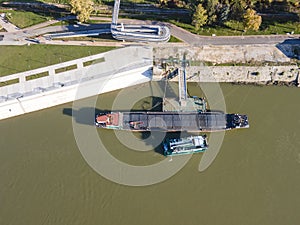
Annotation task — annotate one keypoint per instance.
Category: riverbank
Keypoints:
(266, 75)
(256, 64)
(49, 86)
(73, 80)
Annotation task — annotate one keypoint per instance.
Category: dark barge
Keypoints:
(188, 114)
(171, 121)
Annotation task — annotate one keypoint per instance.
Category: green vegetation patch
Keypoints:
(15, 59)
(39, 75)
(24, 19)
(174, 39)
(95, 61)
(9, 82)
(65, 22)
(67, 68)
(233, 27)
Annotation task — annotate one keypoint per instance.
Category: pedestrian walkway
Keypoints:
(50, 22)
(9, 27)
(75, 79)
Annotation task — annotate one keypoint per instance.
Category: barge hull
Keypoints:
(172, 121)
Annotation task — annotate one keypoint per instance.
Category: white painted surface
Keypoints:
(115, 73)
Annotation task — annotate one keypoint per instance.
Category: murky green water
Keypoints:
(255, 178)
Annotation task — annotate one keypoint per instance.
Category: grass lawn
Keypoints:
(15, 59)
(174, 39)
(237, 28)
(64, 23)
(24, 19)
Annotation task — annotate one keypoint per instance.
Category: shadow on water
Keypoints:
(85, 115)
(150, 137)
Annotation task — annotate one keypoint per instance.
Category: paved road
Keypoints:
(198, 40)
(19, 36)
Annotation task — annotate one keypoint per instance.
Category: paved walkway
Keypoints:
(49, 22)
(9, 27)
(15, 36)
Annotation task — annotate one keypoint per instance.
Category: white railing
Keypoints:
(139, 33)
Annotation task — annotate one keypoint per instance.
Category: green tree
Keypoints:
(237, 9)
(163, 2)
(251, 20)
(211, 6)
(199, 17)
(223, 11)
(82, 8)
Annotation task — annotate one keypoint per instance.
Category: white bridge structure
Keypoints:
(74, 80)
(139, 33)
(123, 32)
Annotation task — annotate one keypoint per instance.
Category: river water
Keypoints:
(255, 178)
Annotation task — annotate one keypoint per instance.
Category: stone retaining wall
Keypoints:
(244, 74)
(287, 75)
(198, 57)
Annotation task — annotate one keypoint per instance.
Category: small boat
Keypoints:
(188, 145)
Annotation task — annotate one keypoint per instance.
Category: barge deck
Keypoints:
(171, 121)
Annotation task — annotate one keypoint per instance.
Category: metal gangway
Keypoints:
(180, 71)
(184, 102)
(139, 33)
(182, 81)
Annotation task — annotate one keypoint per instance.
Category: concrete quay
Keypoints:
(89, 76)
(261, 75)
(263, 64)
(244, 74)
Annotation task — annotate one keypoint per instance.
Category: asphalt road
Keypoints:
(21, 36)
(198, 40)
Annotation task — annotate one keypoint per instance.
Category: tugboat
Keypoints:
(187, 145)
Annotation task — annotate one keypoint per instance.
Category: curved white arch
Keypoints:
(138, 33)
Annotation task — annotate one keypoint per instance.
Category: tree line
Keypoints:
(204, 12)
(217, 12)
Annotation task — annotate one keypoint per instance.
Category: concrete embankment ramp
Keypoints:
(257, 64)
(60, 83)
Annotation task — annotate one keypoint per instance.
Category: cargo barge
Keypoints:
(171, 121)
(188, 114)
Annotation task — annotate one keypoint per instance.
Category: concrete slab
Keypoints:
(114, 73)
